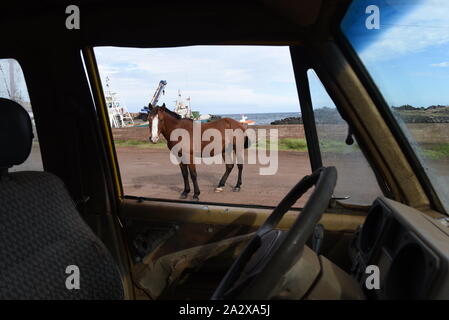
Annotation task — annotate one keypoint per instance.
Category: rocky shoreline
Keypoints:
(289, 120)
(325, 115)
(408, 114)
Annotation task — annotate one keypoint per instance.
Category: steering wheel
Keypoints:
(271, 253)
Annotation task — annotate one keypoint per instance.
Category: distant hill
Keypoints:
(431, 114)
(322, 116)
(327, 115)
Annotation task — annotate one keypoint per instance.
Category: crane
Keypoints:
(159, 90)
(156, 96)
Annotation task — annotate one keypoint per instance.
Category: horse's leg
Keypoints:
(239, 179)
(196, 188)
(222, 182)
(185, 176)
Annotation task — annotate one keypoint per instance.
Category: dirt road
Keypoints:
(148, 172)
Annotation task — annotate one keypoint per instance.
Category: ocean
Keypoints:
(263, 118)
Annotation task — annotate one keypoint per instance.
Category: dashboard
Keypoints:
(409, 248)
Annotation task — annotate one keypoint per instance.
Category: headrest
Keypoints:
(16, 134)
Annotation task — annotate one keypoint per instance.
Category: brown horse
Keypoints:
(163, 121)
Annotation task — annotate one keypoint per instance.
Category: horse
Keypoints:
(162, 121)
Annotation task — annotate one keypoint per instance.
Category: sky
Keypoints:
(218, 79)
(408, 57)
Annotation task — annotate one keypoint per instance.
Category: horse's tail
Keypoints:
(247, 143)
(234, 124)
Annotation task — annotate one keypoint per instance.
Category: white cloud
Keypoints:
(425, 26)
(441, 64)
(218, 79)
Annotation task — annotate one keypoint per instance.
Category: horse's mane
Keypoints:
(172, 113)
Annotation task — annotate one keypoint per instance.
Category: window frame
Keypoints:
(93, 73)
(301, 64)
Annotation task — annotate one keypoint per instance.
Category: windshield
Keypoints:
(404, 45)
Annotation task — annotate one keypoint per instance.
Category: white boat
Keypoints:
(204, 117)
(245, 120)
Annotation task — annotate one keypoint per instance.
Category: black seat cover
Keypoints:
(41, 232)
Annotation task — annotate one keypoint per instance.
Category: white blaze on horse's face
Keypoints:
(155, 129)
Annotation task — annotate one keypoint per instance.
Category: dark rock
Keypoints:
(405, 107)
(214, 117)
(289, 120)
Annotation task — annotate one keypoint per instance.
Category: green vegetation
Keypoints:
(432, 114)
(285, 144)
(337, 146)
(195, 114)
(432, 151)
(140, 144)
(296, 144)
(293, 144)
(436, 151)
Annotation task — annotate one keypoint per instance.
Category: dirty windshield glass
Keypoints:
(155, 94)
(404, 44)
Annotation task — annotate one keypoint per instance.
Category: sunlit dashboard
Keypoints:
(410, 249)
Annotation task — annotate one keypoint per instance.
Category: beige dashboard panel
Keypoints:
(176, 212)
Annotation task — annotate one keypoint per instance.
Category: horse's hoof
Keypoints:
(196, 198)
(236, 189)
(219, 189)
(183, 196)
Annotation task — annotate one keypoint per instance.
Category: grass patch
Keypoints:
(284, 144)
(337, 146)
(140, 144)
(300, 145)
(436, 151)
(293, 144)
